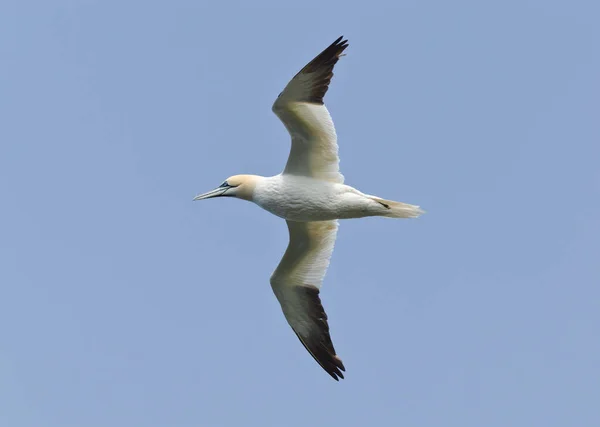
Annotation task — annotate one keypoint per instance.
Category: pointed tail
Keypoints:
(394, 209)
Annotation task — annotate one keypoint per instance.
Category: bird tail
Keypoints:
(394, 209)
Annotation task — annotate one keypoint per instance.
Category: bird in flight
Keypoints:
(311, 196)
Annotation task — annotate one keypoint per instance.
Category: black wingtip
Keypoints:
(339, 43)
(322, 69)
(339, 39)
(328, 57)
(318, 342)
(330, 363)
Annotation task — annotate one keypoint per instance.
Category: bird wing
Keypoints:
(296, 282)
(300, 107)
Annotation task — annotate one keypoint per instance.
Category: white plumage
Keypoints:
(310, 195)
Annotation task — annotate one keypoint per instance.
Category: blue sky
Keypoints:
(124, 303)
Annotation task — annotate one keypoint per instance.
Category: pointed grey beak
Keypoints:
(213, 193)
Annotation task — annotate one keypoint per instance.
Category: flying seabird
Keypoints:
(311, 196)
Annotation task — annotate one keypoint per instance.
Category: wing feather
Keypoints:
(300, 107)
(296, 283)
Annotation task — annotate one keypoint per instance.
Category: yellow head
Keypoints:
(240, 186)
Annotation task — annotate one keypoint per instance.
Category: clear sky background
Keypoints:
(124, 303)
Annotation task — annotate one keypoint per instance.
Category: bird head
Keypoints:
(240, 186)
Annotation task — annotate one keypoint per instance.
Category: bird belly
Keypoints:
(306, 199)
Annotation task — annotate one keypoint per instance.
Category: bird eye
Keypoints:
(225, 184)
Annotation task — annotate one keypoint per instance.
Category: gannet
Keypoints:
(311, 196)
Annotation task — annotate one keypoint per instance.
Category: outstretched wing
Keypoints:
(296, 283)
(300, 107)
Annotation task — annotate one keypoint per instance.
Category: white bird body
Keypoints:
(299, 198)
(311, 196)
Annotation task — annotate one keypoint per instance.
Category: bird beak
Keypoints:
(214, 193)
